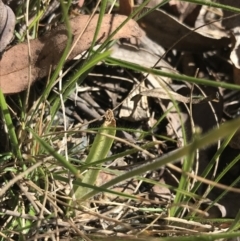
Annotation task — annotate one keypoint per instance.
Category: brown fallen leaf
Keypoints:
(167, 31)
(7, 24)
(47, 51)
(231, 22)
(126, 7)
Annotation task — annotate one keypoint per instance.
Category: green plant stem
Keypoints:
(99, 150)
(189, 79)
(10, 127)
(174, 156)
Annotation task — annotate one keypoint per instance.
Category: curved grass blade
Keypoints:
(99, 150)
(10, 127)
(57, 156)
(205, 140)
(136, 67)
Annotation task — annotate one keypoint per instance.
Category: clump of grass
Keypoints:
(44, 180)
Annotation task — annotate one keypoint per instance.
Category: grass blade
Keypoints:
(99, 150)
(10, 127)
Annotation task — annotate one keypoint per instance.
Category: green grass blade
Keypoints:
(136, 67)
(78, 77)
(10, 127)
(99, 22)
(99, 150)
(51, 151)
(61, 61)
(205, 140)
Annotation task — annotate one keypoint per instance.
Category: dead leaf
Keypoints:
(146, 55)
(166, 31)
(135, 111)
(232, 23)
(125, 7)
(46, 51)
(7, 25)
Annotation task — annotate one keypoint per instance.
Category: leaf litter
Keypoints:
(106, 87)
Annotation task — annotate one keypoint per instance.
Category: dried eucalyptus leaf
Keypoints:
(47, 50)
(136, 110)
(7, 25)
(168, 31)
